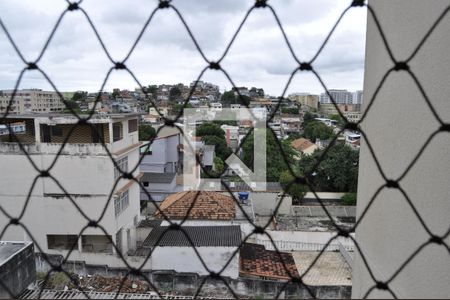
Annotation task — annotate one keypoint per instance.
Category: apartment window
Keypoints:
(121, 203)
(132, 125)
(96, 243)
(122, 164)
(57, 131)
(62, 242)
(117, 131)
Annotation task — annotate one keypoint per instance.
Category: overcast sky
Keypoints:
(166, 54)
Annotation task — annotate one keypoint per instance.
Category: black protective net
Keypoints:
(302, 66)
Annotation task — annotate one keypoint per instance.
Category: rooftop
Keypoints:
(255, 260)
(8, 249)
(207, 206)
(301, 144)
(201, 236)
(329, 269)
(69, 115)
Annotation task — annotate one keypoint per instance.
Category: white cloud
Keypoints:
(259, 57)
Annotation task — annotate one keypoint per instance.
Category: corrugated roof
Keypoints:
(158, 177)
(255, 260)
(207, 206)
(201, 236)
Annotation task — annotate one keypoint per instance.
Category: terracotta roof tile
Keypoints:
(255, 260)
(301, 144)
(208, 206)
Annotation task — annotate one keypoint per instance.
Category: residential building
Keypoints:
(172, 250)
(31, 101)
(339, 96)
(304, 146)
(291, 123)
(231, 135)
(358, 97)
(257, 262)
(208, 208)
(353, 116)
(163, 154)
(158, 186)
(243, 91)
(305, 99)
(82, 185)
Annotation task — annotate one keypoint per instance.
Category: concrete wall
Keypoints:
(90, 177)
(397, 126)
(184, 259)
(164, 155)
(17, 272)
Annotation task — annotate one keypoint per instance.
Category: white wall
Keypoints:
(397, 125)
(88, 175)
(184, 259)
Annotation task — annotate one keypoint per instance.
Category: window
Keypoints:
(62, 242)
(96, 243)
(132, 125)
(122, 164)
(117, 131)
(121, 203)
(146, 183)
(57, 131)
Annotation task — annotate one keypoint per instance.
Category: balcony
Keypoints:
(54, 148)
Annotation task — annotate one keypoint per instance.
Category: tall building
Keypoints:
(305, 99)
(339, 96)
(31, 101)
(358, 97)
(87, 174)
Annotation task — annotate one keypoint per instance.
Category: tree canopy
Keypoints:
(317, 130)
(337, 171)
(275, 162)
(146, 132)
(296, 190)
(174, 93)
(220, 144)
(209, 129)
(228, 98)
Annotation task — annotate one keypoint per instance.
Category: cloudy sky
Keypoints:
(259, 56)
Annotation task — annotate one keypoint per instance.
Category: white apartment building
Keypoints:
(358, 97)
(31, 101)
(86, 173)
(339, 96)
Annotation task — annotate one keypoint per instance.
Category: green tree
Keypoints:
(290, 110)
(296, 190)
(275, 161)
(146, 132)
(79, 96)
(153, 90)
(349, 199)
(218, 165)
(317, 130)
(228, 98)
(339, 119)
(209, 129)
(174, 93)
(337, 171)
(308, 117)
(220, 144)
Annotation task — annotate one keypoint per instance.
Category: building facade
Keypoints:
(31, 101)
(82, 182)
